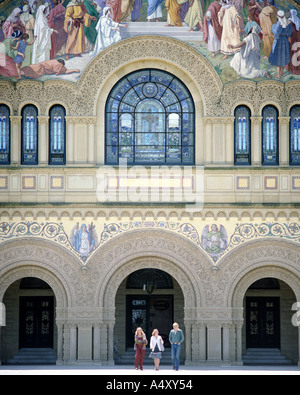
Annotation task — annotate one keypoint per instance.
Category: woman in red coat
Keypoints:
(140, 343)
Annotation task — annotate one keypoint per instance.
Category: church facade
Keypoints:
(205, 234)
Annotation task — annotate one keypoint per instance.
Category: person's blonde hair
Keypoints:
(154, 330)
(139, 328)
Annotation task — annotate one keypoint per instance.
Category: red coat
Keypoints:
(214, 8)
(294, 66)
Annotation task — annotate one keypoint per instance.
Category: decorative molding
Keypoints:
(72, 120)
(271, 182)
(43, 119)
(296, 183)
(214, 240)
(3, 182)
(243, 183)
(28, 182)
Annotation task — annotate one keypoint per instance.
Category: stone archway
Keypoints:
(157, 249)
(45, 261)
(257, 260)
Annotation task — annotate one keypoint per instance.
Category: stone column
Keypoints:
(15, 141)
(85, 342)
(103, 344)
(229, 140)
(60, 342)
(214, 343)
(97, 342)
(110, 343)
(195, 343)
(69, 140)
(92, 141)
(202, 343)
(226, 346)
(43, 140)
(256, 141)
(239, 360)
(208, 141)
(284, 141)
(73, 343)
(188, 343)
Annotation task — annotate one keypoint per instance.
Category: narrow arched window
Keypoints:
(57, 136)
(29, 135)
(295, 135)
(270, 146)
(150, 120)
(4, 135)
(242, 136)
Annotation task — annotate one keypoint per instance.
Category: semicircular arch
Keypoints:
(37, 258)
(159, 249)
(256, 260)
(168, 53)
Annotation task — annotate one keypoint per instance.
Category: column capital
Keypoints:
(284, 120)
(256, 120)
(43, 119)
(81, 120)
(15, 119)
(218, 120)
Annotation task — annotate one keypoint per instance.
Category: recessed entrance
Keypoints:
(36, 322)
(263, 322)
(149, 312)
(263, 314)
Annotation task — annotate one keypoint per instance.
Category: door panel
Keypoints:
(262, 322)
(149, 312)
(36, 321)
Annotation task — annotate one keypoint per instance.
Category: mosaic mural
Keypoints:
(242, 39)
(84, 239)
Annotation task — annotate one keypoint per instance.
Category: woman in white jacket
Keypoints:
(156, 346)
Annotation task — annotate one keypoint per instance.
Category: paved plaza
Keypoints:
(118, 371)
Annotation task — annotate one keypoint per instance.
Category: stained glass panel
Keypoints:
(150, 120)
(270, 136)
(295, 135)
(242, 136)
(4, 135)
(29, 135)
(57, 133)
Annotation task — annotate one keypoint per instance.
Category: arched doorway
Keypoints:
(269, 336)
(30, 332)
(150, 298)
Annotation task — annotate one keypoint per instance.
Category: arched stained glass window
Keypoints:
(295, 135)
(4, 135)
(29, 135)
(242, 136)
(150, 120)
(57, 135)
(270, 151)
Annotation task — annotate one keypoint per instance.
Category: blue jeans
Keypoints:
(175, 354)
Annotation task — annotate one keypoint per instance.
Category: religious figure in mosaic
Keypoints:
(215, 240)
(84, 239)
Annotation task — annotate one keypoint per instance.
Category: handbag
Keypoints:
(162, 347)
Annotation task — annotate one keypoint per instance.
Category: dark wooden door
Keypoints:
(36, 321)
(149, 312)
(262, 322)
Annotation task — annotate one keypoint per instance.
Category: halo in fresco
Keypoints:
(242, 39)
